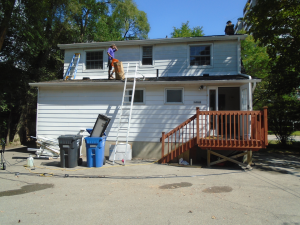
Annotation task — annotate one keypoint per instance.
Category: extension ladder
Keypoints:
(126, 106)
(72, 69)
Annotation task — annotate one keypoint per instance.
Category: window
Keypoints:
(138, 96)
(94, 60)
(200, 55)
(147, 55)
(174, 95)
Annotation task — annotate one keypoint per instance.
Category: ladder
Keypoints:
(126, 105)
(72, 69)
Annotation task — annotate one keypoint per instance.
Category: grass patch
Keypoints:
(295, 133)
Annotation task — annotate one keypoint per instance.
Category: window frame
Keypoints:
(137, 89)
(141, 56)
(85, 60)
(200, 66)
(174, 103)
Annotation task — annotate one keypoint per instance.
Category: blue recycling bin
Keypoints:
(95, 147)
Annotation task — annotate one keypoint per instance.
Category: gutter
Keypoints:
(72, 84)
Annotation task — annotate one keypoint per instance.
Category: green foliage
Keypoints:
(30, 53)
(256, 63)
(186, 31)
(132, 22)
(276, 25)
(282, 112)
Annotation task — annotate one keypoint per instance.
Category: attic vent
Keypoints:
(206, 74)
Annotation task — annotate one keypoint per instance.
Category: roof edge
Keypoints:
(153, 41)
(70, 84)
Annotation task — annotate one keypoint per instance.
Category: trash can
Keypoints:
(69, 150)
(95, 147)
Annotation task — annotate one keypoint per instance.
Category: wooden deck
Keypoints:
(217, 130)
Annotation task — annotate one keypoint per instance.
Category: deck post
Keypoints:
(249, 157)
(266, 124)
(198, 126)
(163, 146)
(208, 157)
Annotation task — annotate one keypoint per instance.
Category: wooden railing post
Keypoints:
(198, 126)
(266, 124)
(163, 144)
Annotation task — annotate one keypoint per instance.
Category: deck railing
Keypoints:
(218, 130)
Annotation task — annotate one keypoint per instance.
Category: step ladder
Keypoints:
(72, 69)
(126, 106)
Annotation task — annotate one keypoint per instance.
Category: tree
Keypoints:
(276, 25)
(282, 112)
(256, 63)
(6, 10)
(132, 22)
(186, 31)
(30, 53)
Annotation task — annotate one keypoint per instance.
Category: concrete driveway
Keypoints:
(143, 192)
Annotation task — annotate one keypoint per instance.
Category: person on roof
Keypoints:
(111, 54)
(229, 28)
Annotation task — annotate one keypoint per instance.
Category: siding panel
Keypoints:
(66, 112)
(170, 59)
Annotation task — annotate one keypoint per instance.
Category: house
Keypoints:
(175, 76)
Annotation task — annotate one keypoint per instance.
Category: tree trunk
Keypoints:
(18, 137)
(8, 128)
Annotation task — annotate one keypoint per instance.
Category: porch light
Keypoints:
(202, 87)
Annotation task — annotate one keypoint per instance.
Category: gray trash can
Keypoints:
(70, 150)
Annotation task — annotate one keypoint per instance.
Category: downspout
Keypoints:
(250, 88)
(37, 111)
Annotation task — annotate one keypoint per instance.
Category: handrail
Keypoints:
(182, 140)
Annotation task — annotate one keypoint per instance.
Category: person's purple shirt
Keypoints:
(111, 52)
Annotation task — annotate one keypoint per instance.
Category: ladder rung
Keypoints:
(126, 128)
(123, 132)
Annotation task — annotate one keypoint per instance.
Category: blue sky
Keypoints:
(212, 15)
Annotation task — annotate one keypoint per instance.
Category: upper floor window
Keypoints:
(147, 55)
(94, 60)
(200, 55)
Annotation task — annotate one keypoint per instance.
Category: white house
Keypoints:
(176, 76)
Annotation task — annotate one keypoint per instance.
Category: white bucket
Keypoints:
(30, 161)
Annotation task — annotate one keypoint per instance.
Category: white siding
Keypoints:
(169, 59)
(66, 110)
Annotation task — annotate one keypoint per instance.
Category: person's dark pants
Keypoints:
(109, 68)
